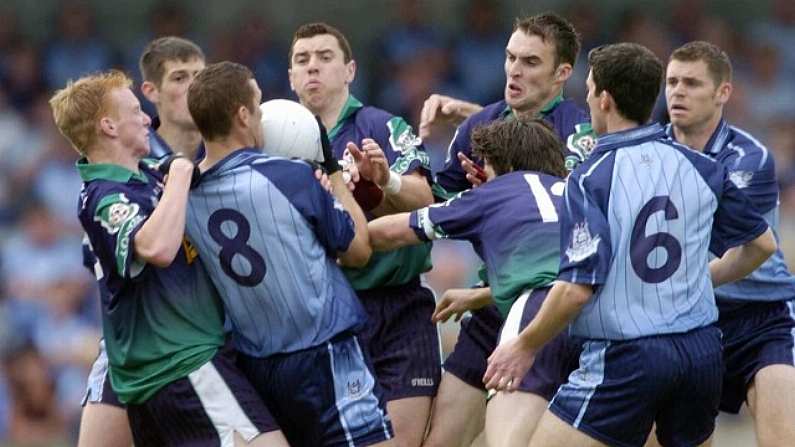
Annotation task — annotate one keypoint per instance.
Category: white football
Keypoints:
(290, 130)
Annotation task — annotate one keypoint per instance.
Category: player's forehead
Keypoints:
(521, 44)
(696, 69)
(122, 99)
(174, 65)
(317, 44)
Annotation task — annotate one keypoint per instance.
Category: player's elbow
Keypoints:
(766, 244)
(158, 255)
(357, 256)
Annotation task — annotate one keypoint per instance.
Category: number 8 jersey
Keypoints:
(640, 216)
(269, 235)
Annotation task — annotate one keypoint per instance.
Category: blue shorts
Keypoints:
(322, 396)
(555, 361)
(623, 387)
(476, 341)
(401, 339)
(755, 335)
(98, 389)
(205, 408)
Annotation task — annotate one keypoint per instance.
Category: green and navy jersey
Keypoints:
(570, 122)
(752, 169)
(159, 324)
(405, 154)
(640, 218)
(269, 235)
(512, 223)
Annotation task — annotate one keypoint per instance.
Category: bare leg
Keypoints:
(511, 418)
(458, 414)
(105, 425)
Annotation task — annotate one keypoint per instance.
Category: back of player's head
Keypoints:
(718, 63)
(551, 27)
(309, 30)
(631, 73)
(162, 50)
(216, 95)
(520, 145)
(78, 107)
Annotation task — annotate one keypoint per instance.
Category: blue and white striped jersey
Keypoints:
(269, 235)
(752, 169)
(640, 218)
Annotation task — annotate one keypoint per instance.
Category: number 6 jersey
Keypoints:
(269, 235)
(640, 216)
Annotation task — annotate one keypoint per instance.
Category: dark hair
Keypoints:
(520, 145)
(551, 27)
(718, 64)
(631, 73)
(308, 30)
(162, 50)
(216, 95)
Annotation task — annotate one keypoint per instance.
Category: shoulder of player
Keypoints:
(489, 113)
(747, 152)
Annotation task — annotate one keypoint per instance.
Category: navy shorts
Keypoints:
(98, 389)
(555, 361)
(322, 396)
(401, 339)
(755, 335)
(203, 409)
(623, 387)
(476, 341)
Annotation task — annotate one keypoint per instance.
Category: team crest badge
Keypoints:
(741, 179)
(401, 136)
(582, 141)
(583, 245)
(117, 214)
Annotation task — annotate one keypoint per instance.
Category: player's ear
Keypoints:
(107, 126)
(150, 92)
(724, 92)
(350, 71)
(563, 72)
(605, 101)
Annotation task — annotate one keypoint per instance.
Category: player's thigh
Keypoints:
(553, 431)
(458, 414)
(269, 439)
(771, 399)
(105, 425)
(511, 418)
(409, 419)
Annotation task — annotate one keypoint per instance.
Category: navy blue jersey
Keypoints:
(570, 122)
(641, 216)
(752, 169)
(159, 324)
(512, 223)
(269, 235)
(405, 154)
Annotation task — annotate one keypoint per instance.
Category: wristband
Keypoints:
(393, 184)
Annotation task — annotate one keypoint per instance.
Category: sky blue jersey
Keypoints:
(640, 218)
(269, 235)
(752, 169)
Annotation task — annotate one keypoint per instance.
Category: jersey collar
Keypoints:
(630, 137)
(716, 142)
(106, 171)
(546, 110)
(351, 106)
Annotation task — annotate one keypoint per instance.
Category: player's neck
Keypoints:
(219, 149)
(180, 139)
(535, 111)
(697, 136)
(109, 153)
(331, 112)
(617, 123)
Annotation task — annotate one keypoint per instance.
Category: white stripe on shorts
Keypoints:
(510, 329)
(221, 405)
(791, 307)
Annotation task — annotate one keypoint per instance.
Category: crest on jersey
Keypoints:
(355, 388)
(401, 136)
(581, 142)
(741, 179)
(583, 245)
(117, 214)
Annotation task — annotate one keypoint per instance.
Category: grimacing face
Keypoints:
(529, 71)
(318, 72)
(132, 123)
(693, 99)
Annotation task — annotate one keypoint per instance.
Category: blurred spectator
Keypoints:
(75, 49)
(769, 88)
(479, 52)
(778, 29)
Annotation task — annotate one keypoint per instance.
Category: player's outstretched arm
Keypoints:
(456, 302)
(739, 262)
(441, 110)
(160, 237)
(391, 232)
(401, 192)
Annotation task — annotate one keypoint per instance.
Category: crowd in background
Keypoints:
(49, 313)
